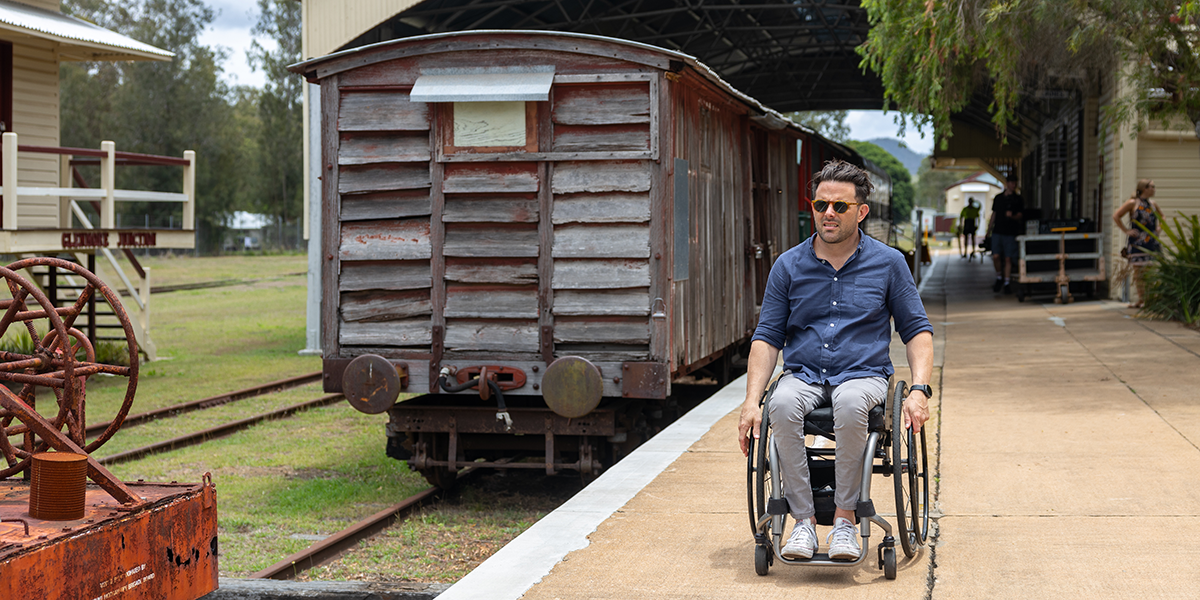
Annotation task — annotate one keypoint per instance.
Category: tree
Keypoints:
(831, 124)
(902, 189)
(931, 186)
(280, 110)
(934, 56)
(161, 108)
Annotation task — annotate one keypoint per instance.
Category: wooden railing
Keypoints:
(107, 194)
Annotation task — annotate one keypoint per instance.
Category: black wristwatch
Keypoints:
(924, 389)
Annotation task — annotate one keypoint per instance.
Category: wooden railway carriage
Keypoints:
(581, 220)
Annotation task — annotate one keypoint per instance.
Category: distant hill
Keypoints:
(911, 160)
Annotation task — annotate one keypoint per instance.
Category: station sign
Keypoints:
(103, 239)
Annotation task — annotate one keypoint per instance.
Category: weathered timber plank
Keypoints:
(385, 205)
(362, 148)
(377, 306)
(600, 274)
(491, 271)
(602, 208)
(381, 111)
(409, 332)
(601, 105)
(385, 240)
(494, 241)
(634, 302)
(491, 303)
(490, 210)
(383, 177)
(616, 353)
(619, 138)
(601, 176)
(602, 332)
(389, 275)
(601, 241)
(477, 178)
(463, 334)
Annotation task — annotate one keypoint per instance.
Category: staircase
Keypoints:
(98, 321)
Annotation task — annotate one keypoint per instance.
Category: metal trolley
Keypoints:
(1058, 263)
(900, 456)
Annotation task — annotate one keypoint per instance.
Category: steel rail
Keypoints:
(330, 548)
(219, 431)
(211, 401)
(333, 546)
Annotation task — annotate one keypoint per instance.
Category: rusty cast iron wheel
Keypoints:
(371, 384)
(53, 369)
(572, 386)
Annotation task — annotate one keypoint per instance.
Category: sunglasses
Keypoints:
(839, 207)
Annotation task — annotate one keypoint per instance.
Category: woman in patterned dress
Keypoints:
(1141, 209)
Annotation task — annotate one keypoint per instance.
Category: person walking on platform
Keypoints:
(828, 305)
(968, 221)
(1005, 224)
(1140, 244)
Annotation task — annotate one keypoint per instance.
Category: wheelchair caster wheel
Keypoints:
(762, 559)
(889, 563)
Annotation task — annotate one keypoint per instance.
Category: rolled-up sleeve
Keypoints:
(904, 301)
(773, 317)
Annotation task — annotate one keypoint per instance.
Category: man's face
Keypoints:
(1010, 186)
(831, 226)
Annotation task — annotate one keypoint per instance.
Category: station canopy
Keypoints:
(791, 55)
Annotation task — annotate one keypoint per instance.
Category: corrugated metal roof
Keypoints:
(486, 84)
(82, 40)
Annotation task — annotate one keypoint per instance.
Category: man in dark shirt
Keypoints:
(1005, 225)
(828, 306)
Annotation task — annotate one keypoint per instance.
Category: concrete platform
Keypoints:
(1065, 444)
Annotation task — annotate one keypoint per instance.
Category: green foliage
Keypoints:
(1173, 280)
(280, 161)
(107, 352)
(902, 189)
(931, 186)
(934, 56)
(831, 123)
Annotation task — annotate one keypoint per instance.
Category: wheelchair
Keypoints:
(897, 454)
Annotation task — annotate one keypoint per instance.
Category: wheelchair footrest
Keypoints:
(777, 506)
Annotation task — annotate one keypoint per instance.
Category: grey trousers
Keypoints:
(852, 401)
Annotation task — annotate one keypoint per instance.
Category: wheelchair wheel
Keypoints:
(762, 559)
(911, 478)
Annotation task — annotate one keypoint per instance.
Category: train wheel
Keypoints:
(437, 448)
(52, 365)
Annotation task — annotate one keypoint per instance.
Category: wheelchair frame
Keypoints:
(903, 457)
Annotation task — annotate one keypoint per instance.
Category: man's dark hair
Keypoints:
(840, 170)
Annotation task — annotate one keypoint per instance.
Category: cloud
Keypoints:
(870, 124)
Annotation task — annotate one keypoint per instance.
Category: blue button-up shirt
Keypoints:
(833, 325)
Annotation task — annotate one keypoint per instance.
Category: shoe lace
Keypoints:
(843, 533)
(802, 532)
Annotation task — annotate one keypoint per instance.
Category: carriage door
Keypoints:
(762, 249)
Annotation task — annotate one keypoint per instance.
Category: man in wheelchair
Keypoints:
(827, 305)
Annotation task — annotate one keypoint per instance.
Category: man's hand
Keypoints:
(749, 424)
(915, 410)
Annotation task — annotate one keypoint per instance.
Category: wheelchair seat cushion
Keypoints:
(820, 420)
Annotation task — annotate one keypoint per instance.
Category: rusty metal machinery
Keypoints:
(59, 537)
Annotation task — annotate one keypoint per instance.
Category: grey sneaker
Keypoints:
(802, 543)
(843, 540)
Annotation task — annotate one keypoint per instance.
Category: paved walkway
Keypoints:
(1067, 454)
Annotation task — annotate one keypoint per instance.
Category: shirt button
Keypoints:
(835, 278)
(835, 303)
(826, 345)
(831, 324)
(822, 370)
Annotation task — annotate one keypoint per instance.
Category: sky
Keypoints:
(235, 18)
(231, 29)
(871, 124)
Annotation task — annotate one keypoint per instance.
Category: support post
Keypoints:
(9, 214)
(189, 189)
(64, 181)
(108, 182)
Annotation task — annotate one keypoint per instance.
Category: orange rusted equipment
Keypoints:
(61, 537)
